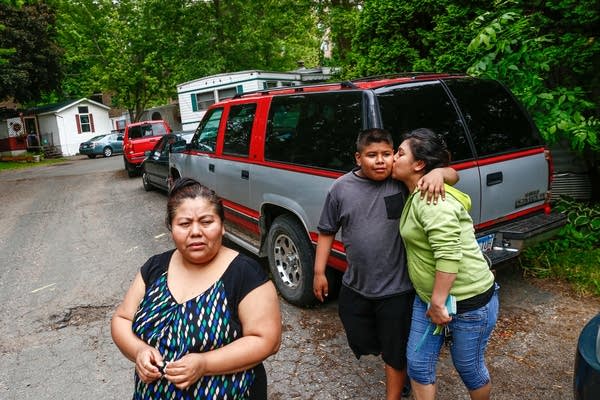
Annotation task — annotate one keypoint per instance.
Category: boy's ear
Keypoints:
(357, 158)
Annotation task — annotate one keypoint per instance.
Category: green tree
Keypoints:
(548, 55)
(337, 20)
(413, 35)
(139, 50)
(30, 57)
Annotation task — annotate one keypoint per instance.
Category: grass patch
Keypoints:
(10, 165)
(574, 255)
(576, 266)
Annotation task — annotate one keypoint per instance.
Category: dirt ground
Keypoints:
(530, 357)
(74, 235)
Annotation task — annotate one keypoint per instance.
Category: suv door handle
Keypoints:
(245, 174)
(211, 167)
(494, 179)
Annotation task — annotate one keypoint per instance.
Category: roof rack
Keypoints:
(295, 89)
(403, 75)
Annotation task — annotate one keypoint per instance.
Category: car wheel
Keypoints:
(91, 156)
(107, 152)
(131, 172)
(145, 182)
(291, 259)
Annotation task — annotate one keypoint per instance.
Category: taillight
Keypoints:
(548, 157)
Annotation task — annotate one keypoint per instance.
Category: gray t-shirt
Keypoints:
(368, 212)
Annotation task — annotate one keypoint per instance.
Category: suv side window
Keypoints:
(426, 105)
(238, 129)
(205, 138)
(317, 130)
(498, 124)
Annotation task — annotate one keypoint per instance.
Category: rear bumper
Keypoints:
(511, 238)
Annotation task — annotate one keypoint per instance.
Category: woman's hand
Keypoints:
(147, 361)
(438, 314)
(186, 371)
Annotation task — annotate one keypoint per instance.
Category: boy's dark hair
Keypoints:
(188, 188)
(429, 147)
(374, 135)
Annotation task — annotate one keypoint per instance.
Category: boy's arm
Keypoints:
(320, 285)
(432, 183)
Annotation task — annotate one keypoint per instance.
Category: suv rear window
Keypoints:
(139, 131)
(316, 130)
(423, 105)
(498, 124)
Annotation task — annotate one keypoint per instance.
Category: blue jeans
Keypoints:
(470, 334)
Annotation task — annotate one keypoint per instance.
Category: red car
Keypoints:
(139, 138)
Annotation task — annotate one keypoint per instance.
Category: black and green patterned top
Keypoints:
(206, 322)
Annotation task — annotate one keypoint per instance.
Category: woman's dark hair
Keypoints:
(374, 135)
(429, 147)
(188, 188)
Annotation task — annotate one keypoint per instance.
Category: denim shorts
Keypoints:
(470, 334)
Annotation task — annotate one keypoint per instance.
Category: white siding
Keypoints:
(250, 81)
(61, 127)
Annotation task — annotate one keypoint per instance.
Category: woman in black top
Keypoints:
(198, 320)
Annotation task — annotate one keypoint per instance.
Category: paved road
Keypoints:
(73, 236)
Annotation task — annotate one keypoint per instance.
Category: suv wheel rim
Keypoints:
(287, 261)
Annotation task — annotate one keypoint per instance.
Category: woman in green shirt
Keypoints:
(456, 294)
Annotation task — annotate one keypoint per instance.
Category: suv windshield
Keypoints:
(138, 131)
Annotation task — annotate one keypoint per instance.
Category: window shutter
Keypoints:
(78, 123)
(194, 102)
(92, 123)
(239, 89)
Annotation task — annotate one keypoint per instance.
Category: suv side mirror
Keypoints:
(179, 146)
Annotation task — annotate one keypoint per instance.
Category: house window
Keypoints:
(201, 101)
(226, 93)
(270, 84)
(84, 120)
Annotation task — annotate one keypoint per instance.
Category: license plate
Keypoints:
(486, 242)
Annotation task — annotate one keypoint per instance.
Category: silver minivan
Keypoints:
(272, 156)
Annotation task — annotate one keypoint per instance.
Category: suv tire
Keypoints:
(147, 186)
(107, 151)
(130, 168)
(291, 260)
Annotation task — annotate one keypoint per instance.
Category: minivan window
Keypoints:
(205, 138)
(138, 131)
(498, 124)
(317, 129)
(238, 129)
(423, 105)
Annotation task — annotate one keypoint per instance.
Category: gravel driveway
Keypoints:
(73, 236)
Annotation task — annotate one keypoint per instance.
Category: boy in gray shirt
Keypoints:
(376, 297)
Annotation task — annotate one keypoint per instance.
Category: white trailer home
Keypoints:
(197, 95)
(66, 125)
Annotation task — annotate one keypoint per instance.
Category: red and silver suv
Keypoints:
(139, 138)
(272, 156)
